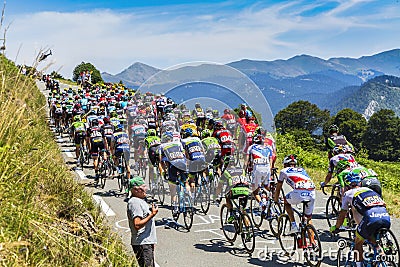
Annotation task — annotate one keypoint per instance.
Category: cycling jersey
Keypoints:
(296, 178)
(335, 159)
(225, 140)
(194, 148)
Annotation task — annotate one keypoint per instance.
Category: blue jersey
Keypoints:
(194, 148)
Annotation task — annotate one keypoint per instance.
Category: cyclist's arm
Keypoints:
(278, 190)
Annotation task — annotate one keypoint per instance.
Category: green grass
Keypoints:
(46, 217)
(316, 164)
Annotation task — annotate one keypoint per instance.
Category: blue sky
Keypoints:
(112, 35)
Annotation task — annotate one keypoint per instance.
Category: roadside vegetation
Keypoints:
(46, 217)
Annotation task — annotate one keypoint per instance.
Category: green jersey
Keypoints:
(78, 127)
(152, 141)
(364, 172)
(211, 143)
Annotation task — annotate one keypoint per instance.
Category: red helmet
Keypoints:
(106, 120)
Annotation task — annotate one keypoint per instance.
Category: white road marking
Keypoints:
(69, 154)
(104, 206)
(81, 174)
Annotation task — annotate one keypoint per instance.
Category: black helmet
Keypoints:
(290, 159)
(333, 128)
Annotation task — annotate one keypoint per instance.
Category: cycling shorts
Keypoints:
(197, 166)
(374, 219)
(95, 148)
(137, 140)
(79, 137)
(298, 195)
(124, 148)
(153, 155)
(261, 175)
(173, 171)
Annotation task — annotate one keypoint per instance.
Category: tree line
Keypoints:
(378, 138)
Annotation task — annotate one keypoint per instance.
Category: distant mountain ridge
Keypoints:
(302, 77)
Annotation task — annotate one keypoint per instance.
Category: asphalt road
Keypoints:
(204, 244)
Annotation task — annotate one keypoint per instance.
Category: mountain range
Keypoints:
(328, 83)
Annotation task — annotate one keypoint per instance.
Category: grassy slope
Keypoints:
(316, 164)
(46, 218)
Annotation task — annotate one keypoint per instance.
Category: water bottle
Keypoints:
(263, 201)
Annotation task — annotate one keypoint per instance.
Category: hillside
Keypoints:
(46, 218)
(382, 92)
(302, 77)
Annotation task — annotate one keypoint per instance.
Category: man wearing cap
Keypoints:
(141, 223)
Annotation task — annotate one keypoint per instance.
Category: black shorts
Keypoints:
(144, 255)
(153, 156)
(173, 174)
(79, 137)
(136, 141)
(95, 148)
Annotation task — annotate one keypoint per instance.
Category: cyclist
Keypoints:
(369, 211)
(225, 140)
(230, 122)
(78, 130)
(259, 158)
(369, 178)
(239, 187)
(119, 145)
(108, 129)
(335, 139)
(172, 155)
(138, 134)
(153, 143)
(194, 151)
(97, 142)
(200, 116)
(212, 149)
(340, 153)
(303, 189)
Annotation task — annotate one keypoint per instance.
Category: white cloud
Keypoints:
(160, 37)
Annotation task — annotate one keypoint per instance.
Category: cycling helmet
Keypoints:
(290, 159)
(227, 111)
(188, 132)
(338, 150)
(167, 137)
(197, 105)
(348, 149)
(106, 120)
(333, 128)
(215, 113)
(120, 127)
(218, 125)
(77, 118)
(258, 139)
(353, 178)
(205, 133)
(95, 122)
(342, 165)
(151, 132)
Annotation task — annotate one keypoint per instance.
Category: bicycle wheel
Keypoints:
(287, 240)
(103, 174)
(256, 212)
(312, 243)
(143, 167)
(204, 196)
(81, 157)
(188, 211)
(228, 228)
(247, 233)
(332, 210)
(160, 189)
(388, 242)
(213, 184)
(273, 213)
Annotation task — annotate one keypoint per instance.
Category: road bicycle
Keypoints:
(202, 193)
(333, 207)
(122, 172)
(106, 168)
(241, 223)
(270, 211)
(183, 203)
(306, 239)
(156, 185)
(384, 252)
(84, 156)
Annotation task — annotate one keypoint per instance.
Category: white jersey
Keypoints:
(335, 159)
(297, 178)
